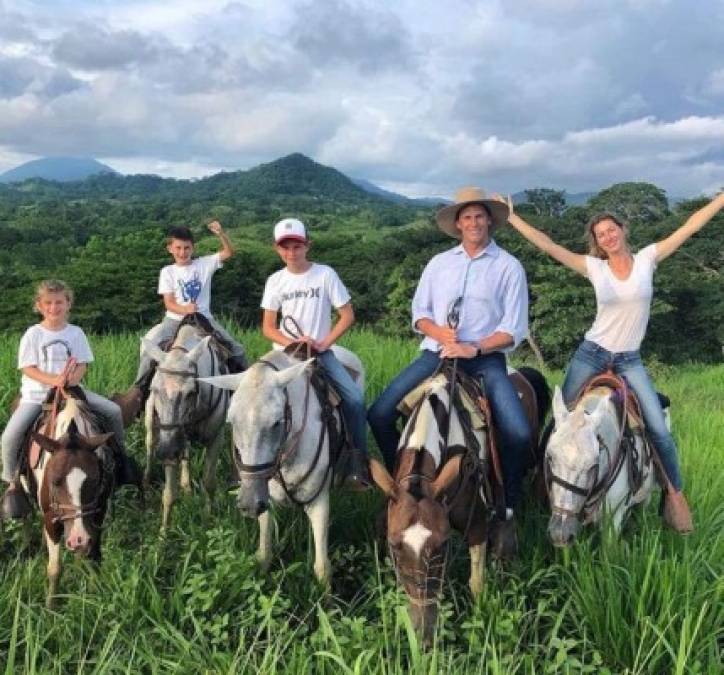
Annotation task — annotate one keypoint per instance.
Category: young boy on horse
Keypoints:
(304, 292)
(185, 287)
(44, 357)
(486, 288)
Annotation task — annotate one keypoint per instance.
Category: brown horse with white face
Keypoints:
(72, 479)
(442, 481)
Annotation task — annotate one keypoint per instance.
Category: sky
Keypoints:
(417, 96)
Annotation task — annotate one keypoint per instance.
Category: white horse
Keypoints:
(589, 463)
(282, 450)
(181, 409)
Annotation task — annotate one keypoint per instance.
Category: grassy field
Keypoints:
(652, 602)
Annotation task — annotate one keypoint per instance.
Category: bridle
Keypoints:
(593, 496)
(193, 373)
(288, 447)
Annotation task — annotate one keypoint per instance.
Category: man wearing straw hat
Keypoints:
(485, 288)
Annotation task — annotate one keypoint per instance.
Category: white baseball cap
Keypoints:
(290, 228)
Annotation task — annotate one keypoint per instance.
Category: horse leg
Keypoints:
(212, 454)
(53, 569)
(150, 441)
(170, 492)
(185, 476)
(318, 514)
(264, 552)
(477, 567)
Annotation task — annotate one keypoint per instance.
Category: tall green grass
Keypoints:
(650, 602)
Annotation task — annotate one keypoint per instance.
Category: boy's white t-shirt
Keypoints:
(49, 350)
(190, 283)
(622, 307)
(307, 297)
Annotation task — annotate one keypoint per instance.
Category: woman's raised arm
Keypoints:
(574, 261)
(695, 222)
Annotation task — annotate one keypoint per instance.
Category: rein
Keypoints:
(288, 448)
(193, 373)
(625, 447)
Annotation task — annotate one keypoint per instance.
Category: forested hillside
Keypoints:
(105, 236)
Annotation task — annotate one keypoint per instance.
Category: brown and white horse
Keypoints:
(72, 476)
(443, 480)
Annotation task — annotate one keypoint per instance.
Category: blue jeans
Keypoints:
(353, 401)
(591, 359)
(510, 418)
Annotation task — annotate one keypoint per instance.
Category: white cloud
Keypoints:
(539, 92)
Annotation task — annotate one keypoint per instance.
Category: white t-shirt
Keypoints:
(622, 307)
(49, 350)
(190, 283)
(307, 297)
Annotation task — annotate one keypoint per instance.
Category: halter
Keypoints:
(184, 375)
(288, 447)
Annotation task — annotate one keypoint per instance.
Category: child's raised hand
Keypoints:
(215, 227)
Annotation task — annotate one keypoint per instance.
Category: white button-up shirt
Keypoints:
(494, 294)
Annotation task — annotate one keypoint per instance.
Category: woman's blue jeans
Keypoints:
(508, 413)
(591, 359)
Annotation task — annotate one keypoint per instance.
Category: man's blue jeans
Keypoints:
(591, 359)
(510, 418)
(353, 402)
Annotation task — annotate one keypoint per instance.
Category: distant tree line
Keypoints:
(105, 236)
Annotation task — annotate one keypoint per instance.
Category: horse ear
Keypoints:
(152, 350)
(230, 382)
(596, 415)
(284, 377)
(199, 349)
(449, 472)
(383, 480)
(45, 442)
(560, 411)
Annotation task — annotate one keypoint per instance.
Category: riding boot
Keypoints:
(236, 364)
(16, 504)
(127, 470)
(676, 513)
(358, 476)
(503, 538)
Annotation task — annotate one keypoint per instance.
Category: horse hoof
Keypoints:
(264, 563)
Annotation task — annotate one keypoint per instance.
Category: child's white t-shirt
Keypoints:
(190, 283)
(49, 350)
(307, 297)
(622, 307)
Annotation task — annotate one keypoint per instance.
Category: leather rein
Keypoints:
(177, 423)
(624, 448)
(288, 449)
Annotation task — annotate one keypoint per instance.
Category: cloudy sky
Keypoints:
(419, 96)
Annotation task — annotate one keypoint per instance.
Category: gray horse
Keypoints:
(181, 409)
(281, 448)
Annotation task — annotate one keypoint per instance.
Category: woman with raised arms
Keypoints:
(623, 283)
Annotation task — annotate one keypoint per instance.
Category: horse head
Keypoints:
(418, 528)
(260, 416)
(572, 462)
(175, 391)
(72, 487)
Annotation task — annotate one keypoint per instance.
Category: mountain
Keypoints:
(61, 169)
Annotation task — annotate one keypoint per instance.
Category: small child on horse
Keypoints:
(305, 292)
(44, 357)
(186, 289)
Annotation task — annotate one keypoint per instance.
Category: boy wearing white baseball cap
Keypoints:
(307, 291)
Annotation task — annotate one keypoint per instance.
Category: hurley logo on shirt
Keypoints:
(308, 293)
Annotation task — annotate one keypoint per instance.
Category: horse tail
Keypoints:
(542, 391)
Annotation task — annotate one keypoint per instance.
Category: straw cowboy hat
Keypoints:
(447, 216)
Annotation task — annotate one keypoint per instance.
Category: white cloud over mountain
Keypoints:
(419, 96)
